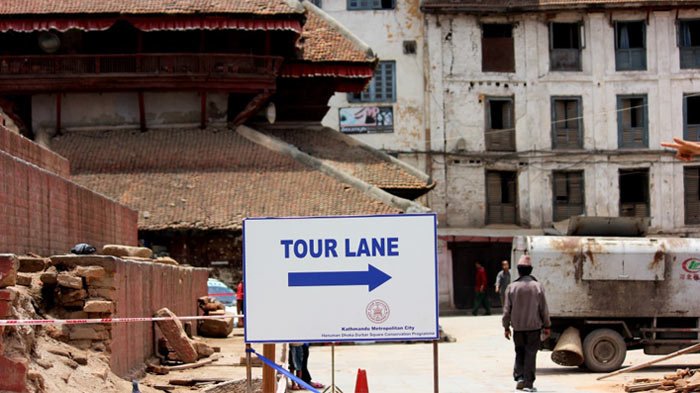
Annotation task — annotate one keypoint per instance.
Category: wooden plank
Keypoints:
(690, 349)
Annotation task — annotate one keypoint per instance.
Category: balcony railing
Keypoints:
(157, 64)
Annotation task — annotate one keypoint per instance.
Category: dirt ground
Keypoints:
(479, 361)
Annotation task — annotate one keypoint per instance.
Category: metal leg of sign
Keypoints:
(248, 370)
(436, 373)
(332, 388)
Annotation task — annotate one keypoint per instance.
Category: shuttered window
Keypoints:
(630, 46)
(501, 197)
(371, 4)
(632, 121)
(634, 192)
(691, 184)
(565, 43)
(689, 43)
(500, 127)
(691, 117)
(567, 123)
(567, 187)
(382, 87)
(497, 48)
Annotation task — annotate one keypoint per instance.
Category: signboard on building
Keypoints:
(367, 119)
(333, 279)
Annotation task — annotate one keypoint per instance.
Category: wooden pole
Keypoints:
(436, 371)
(58, 113)
(269, 382)
(690, 349)
(248, 370)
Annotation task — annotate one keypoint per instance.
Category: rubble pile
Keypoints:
(682, 381)
(214, 328)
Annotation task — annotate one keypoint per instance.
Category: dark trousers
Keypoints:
(305, 374)
(481, 299)
(526, 346)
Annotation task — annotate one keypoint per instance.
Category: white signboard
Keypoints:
(332, 279)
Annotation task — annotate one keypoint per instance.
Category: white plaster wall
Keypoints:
(99, 110)
(457, 89)
(384, 31)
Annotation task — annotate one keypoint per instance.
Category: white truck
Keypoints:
(619, 293)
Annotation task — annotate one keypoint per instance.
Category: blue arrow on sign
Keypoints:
(373, 278)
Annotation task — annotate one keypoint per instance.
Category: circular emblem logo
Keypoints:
(691, 265)
(377, 311)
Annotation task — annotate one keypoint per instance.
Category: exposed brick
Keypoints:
(5, 309)
(68, 280)
(7, 294)
(8, 270)
(90, 272)
(24, 279)
(31, 264)
(101, 306)
(13, 375)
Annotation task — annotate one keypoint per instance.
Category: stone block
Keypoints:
(104, 283)
(69, 261)
(49, 277)
(13, 374)
(118, 250)
(9, 264)
(66, 296)
(173, 332)
(31, 264)
(101, 306)
(24, 279)
(166, 261)
(74, 315)
(91, 272)
(79, 356)
(203, 350)
(218, 328)
(78, 304)
(82, 344)
(105, 293)
(68, 280)
(8, 294)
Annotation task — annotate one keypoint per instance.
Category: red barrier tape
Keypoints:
(222, 294)
(35, 322)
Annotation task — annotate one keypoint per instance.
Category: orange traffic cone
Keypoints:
(361, 384)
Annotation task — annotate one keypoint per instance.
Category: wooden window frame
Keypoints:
(488, 129)
(579, 121)
(689, 54)
(370, 92)
(506, 45)
(492, 205)
(578, 50)
(620, 120)
(691, 198)
(646, 202)
(363, 5)
(691, 132)
(556, 203)
(619, 52)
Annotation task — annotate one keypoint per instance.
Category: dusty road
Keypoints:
(480, 361)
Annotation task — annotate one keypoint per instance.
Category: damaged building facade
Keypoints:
(542, 110)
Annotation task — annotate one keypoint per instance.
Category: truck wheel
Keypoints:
(604, 350)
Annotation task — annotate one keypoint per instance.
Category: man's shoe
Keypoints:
(520, 384)
(530, 389)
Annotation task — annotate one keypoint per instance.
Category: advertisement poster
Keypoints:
(367, 119)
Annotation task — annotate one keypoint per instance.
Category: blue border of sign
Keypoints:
(437, 289)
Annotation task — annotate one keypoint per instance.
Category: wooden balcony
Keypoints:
(158, 71)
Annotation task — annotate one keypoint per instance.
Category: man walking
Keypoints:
(526, 311)
(480, 298)
(502, 281)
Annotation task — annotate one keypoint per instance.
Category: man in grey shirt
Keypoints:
(502, 281)
(526, 311)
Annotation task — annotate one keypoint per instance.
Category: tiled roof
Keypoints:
(345, 154)
(516, 5)
(204, 179)
(44, 7)
(324, 39)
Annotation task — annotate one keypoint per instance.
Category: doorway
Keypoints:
(464, 254)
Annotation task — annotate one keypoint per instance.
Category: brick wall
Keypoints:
(44, 213)
(24, 149)
(143, 289)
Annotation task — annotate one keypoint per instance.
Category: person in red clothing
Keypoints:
(480, 298)
(239, 302)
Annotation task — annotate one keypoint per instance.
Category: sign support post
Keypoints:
(436, 372)
(333, 388)
(248, 370)
(269, 381)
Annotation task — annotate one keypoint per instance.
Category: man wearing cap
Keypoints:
(526, 311)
